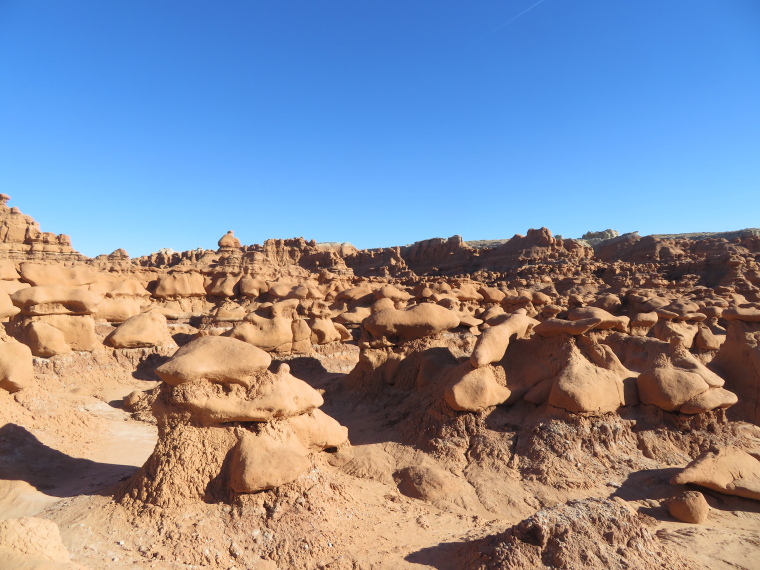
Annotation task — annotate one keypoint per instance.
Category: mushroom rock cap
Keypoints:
(748, 315)
(682, 383)
(317, 431)
(412, 323)
(491, 294)
(266, 334)
(56, 299)
(271, 396)
(668, 387)
(607, 320)
(229, 240)
(583, 387)
(39, 274)
(218, 359)
(647, 320)
(556, 327)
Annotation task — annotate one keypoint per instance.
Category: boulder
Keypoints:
(264, 461)
(16, 370)
(728, 470)
(476, 389)
(689, 507)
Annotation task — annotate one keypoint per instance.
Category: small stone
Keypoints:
(689, 507)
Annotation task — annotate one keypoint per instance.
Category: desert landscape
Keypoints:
(531, 402)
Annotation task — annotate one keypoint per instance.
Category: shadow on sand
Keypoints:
(23, 457)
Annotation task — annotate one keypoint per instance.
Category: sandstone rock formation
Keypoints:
(728, 470)
(250, 429)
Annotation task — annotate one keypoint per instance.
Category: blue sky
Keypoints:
(154, 123)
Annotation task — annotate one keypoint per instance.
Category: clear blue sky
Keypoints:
(154, 123)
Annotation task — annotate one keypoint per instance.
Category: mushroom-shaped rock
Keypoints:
(229, 240)
(709, 400)
(728, 470)
(493, 343)
(556, 327)
(477, 389)
(408, 324)
(642, 322)
(491, 294)
(227, 424)
(218, 359)
(143, 330)
(16, 370)
(689, 507)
